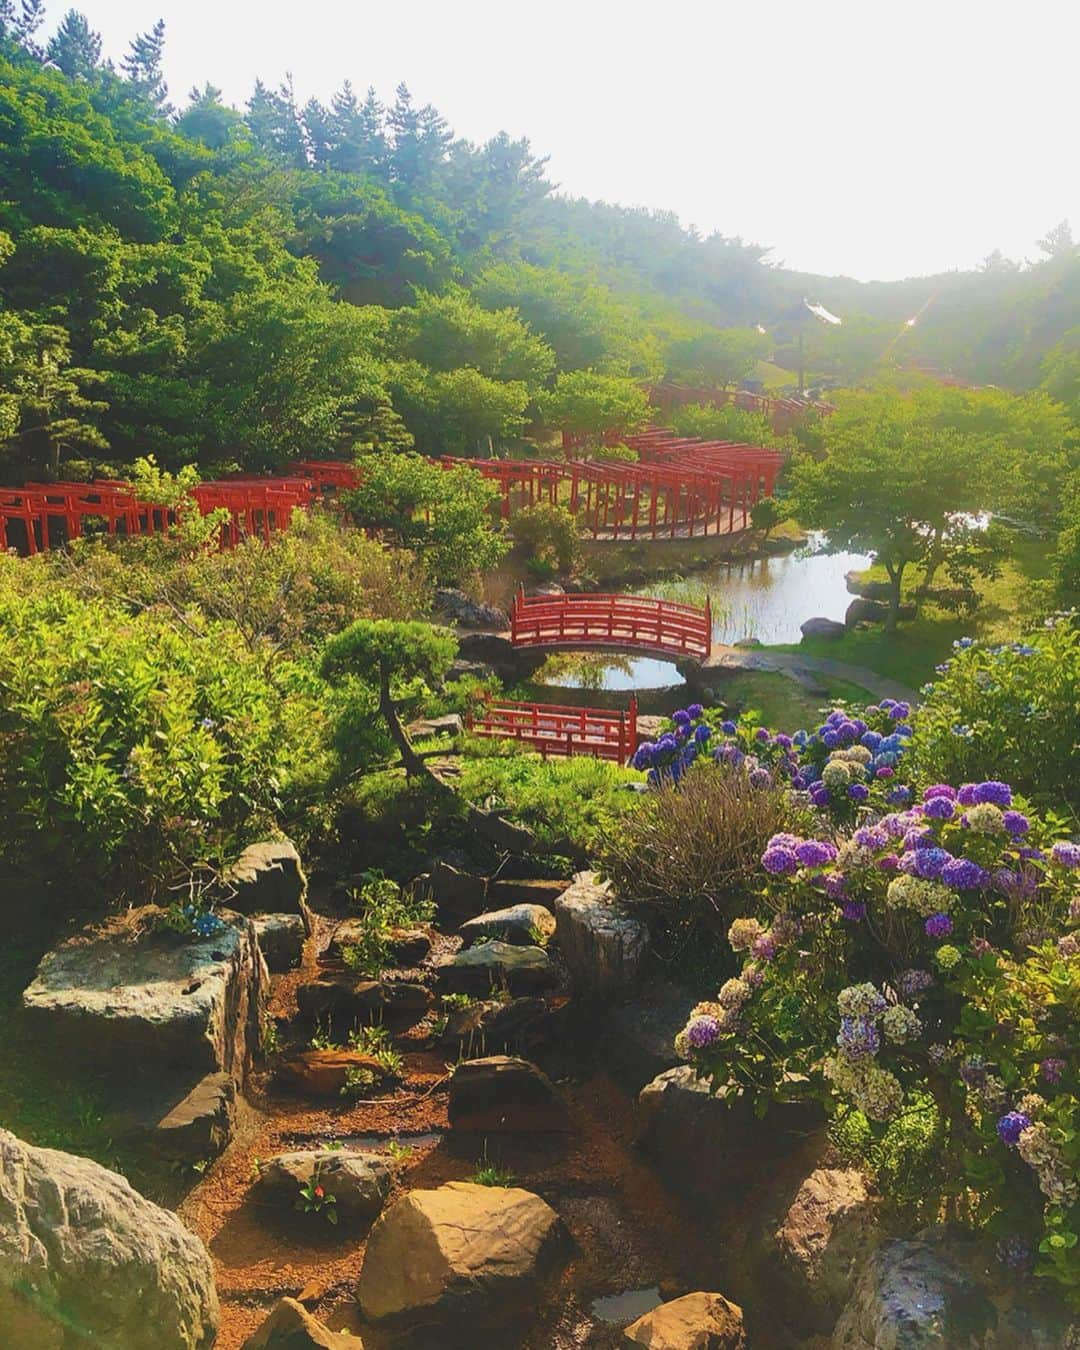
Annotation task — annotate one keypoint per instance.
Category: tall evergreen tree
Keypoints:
(142, 65)
(74, 49)
(420, 138)
(208, 120)
(20, 20)
(359, 136)
(321, 132)
(274, 121)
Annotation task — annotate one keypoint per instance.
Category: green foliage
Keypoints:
(717, 357)
(315, 1199)
(690, 851)
(1010, 711)
(549, 537)
(443, 515)
(371, 649)
(588, 404)
(766, 514)
(575, 801)
(726, 423)
(385, 908)
(135, 747)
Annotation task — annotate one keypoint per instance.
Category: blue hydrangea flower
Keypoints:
(939, 808)
(815, 852)
(1011, 1126)
(702, 733)
(964, 875)
(1016, 822)
(1000, 794)
(695, 710)
(858, 1038)
(728, 728)
(938, 926)
(858, 792)
(1066, 854)
(780, 861)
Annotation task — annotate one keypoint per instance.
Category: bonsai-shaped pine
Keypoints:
(385, 653)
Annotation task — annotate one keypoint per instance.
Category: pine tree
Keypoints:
(207, 119)
(142, 65)
(20, 20)
(274, 122)
(320, 130)
(74, 49)
(359, 139)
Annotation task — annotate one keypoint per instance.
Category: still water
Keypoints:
(763, 598)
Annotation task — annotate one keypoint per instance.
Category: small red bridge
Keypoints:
(555, 729)
(624, 623)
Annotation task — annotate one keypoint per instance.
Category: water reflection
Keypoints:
(767, 598)
(596, 671)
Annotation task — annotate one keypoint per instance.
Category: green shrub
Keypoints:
(548, 535)
(691, 849)
(133, 746)
(564, 801)
(1009, 712)
(384, 907)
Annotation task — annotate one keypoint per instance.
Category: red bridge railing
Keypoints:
(627, 622)
(555, 729)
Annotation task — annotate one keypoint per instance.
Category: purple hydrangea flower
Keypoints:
(938, 926)
(939, 808)
(1011, 1126)
(858, 792)
(1016, 822)
(681, 716)
(966, 795)
(835, 884)
(1000, 794)
(762, 735)
(1066, 853)
(858, 1038)
(760, 778)
(929, 862)
(940, 790)
(914, 982)
(643, 755)
(899, 711)
(964, 875)
(886, 771)
(888, 863)
(1052, 1069)
(819, 796)
(702, 733)
(871, 739)
(815, 852)
(763, 948)
(830, 739)
(899, 795)
(871, 836)
(728, 728)
(784, 742)
(695, 710)
(703, 1032)
(853, 910)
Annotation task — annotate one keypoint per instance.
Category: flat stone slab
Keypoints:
(602, 944)
(693, 1322)
(541, 891)
(324, 1073)
(268, 878)
(345, 999)
(494, 966)
(359, 1182)
(504, 1094)
(154, 1002)
(201, 1124)
(521, 925)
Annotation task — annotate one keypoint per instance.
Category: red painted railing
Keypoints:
(626, 622)
(555, 729)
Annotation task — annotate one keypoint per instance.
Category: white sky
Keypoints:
(878, 138)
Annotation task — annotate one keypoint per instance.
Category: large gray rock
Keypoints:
(291, 1327)
(461, 609)
(79, 1248)
(819, 627)
(153, 1003)
(701, 1140)
(522, 925)
(693, 1322)
(459, 1260)
(943, 1289)
(869, 590)
(268, 878)
(602, 944)
(359, 1182)
(281, 940)
(873, 611)
(497, 965)
(503, 1094)
(458, 893)
(814, 1252)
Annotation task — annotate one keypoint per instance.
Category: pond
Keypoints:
(763, 598)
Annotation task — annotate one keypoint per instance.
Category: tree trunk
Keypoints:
(414, 765)
(896, 575)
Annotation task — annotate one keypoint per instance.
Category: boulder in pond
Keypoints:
(694, 1322)
(495, 966)
(459, 1260)
(823, 628)
(359, 1182)
(281, 940)
(291, 1327)
(523, 925)
(79, 1247)
(603, 945)
(154, 1001)
(504, 1094)
(268, 878)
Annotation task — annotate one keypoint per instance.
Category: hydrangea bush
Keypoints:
(928, 953)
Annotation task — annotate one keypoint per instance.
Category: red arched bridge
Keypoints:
(556, 729)
(623, 623)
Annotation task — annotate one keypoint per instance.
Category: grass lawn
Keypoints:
(910, 654)
(780, 702)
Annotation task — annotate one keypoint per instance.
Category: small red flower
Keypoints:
(319, 1192)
